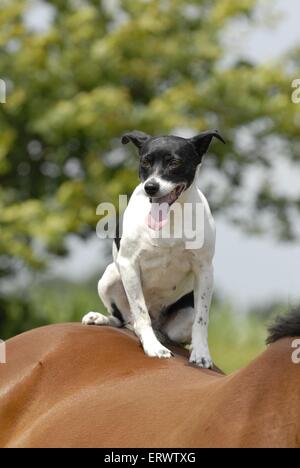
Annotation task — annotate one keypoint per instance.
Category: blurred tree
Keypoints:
(102, 67)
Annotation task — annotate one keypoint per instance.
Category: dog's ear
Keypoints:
(202, 141)
(135, 137)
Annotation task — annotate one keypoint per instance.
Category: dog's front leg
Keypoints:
(203, 295)
(130, 274)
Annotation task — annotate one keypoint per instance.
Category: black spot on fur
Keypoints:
(171, 311)
(118, 237)
(285, 327)
(117, 314)
(183, 303)
(142, 311)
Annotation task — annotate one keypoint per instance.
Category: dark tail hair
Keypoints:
(287, 326)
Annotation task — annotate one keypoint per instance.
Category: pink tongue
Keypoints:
(158, 216)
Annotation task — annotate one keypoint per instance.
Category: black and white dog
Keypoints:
(156, 282)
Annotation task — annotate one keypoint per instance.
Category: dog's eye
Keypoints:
(174, 163)
(146, 163)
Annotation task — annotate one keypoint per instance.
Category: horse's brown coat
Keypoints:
(74, 386)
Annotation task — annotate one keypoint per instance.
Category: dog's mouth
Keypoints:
(171, 198)
(160, 207)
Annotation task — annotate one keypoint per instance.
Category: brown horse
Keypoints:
(72, 386)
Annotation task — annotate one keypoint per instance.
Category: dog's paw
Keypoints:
(157, 350)
(201, 358)
(94, 318)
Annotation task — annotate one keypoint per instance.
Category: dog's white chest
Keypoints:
(166, 274)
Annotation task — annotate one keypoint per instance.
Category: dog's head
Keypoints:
(168, 164)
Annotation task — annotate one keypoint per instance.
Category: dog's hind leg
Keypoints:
(113, 296)
(179, 327)
(178, 319)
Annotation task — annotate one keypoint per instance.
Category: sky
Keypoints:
(270, 38)
(267, 44)
(249, 271)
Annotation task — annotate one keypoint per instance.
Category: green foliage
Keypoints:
(97, 71)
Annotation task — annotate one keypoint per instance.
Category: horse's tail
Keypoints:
(286, 326)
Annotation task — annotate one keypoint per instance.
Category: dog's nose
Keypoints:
(151, 188)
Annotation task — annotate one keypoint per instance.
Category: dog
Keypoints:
(155, 284)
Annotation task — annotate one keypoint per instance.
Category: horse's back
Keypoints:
(74, 386)
(69, 385)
